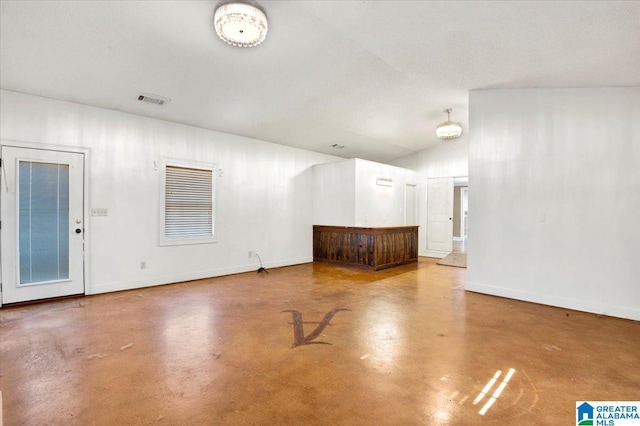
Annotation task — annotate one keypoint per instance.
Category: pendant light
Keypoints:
(449, 130)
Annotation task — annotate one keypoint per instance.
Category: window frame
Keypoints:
(169, 162)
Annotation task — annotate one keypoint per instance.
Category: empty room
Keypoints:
(319, 212)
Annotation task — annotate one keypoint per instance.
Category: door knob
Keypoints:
(78, 230)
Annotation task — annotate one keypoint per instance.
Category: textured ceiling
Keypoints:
(373, 76)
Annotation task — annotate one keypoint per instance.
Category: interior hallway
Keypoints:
(413, 348)
(459, 246)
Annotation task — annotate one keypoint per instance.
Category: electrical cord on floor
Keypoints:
(261, 268)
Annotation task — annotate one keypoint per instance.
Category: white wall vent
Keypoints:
(153, 99)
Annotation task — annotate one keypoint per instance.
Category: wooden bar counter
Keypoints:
(370, 248)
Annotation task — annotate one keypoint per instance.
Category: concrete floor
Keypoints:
(413, 348)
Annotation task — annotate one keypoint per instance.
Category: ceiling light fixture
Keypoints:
(240, 24)
(449, 129)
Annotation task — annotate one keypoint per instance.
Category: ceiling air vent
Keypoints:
(153, 99)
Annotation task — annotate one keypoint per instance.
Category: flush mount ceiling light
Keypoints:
(449, 129)
(240, 24)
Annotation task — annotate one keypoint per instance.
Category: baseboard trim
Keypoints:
(211, 273)
(434, 253)
(560, 302)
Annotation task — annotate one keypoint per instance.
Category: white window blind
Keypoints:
(188, 206)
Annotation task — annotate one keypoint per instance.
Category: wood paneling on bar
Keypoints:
(370, 248)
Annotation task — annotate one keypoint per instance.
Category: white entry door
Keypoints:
(42, 242)
(439, 216)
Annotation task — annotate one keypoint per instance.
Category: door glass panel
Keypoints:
(43, 221)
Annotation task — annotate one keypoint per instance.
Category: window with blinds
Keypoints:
(188, 204)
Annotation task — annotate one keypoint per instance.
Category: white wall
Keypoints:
(378, 205)
(264, 198)
(334, 193)
(346, 193)
(446, 159)
(555, 193)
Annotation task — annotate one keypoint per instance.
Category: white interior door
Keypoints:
(42, 242)
(440, 215)
(410, 213)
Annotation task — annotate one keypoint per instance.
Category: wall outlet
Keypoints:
(250, 254)
(143, 265)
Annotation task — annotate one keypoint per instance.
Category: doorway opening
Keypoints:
(460, 213)
(447, 215)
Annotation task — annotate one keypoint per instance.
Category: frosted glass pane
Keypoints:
(44, 222)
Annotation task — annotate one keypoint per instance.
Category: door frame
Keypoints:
(464, 191)
(415, 204)
(85, 193)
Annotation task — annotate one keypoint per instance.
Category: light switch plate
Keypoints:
(100, 212)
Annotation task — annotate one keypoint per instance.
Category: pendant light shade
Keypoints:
(449, 130)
